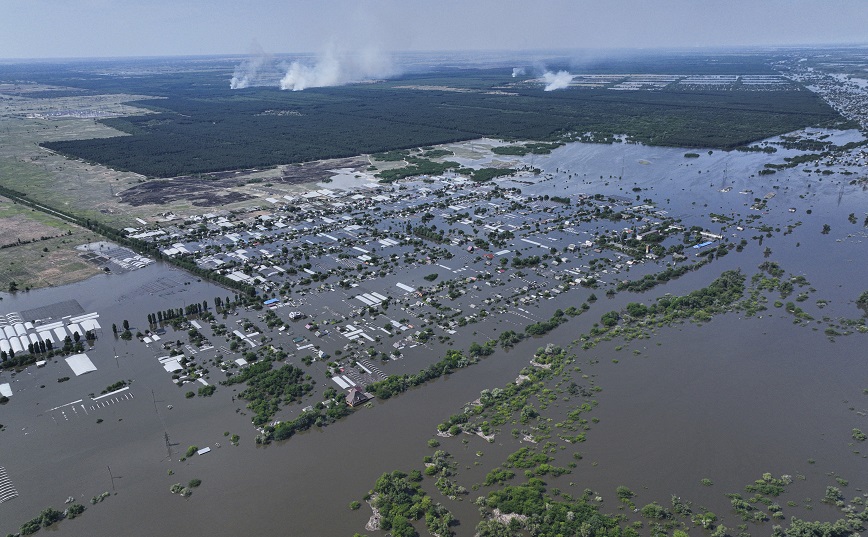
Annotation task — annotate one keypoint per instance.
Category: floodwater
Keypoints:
(727, 400)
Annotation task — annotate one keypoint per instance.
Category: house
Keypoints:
(356, 396)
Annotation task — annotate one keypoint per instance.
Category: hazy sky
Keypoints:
(92, 28)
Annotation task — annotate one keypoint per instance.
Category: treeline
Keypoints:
(487, 174)
(720, 295)
(649, 281)
(203, 129)
(318, 417)
(417, 166)
(20, 242)
(544, 327)
(178, 313)
(206, 133)
(395, 384)
(792, 162)
(44, 349)
(121, 238)
(50, 516)
(522, 150)
(768, 149)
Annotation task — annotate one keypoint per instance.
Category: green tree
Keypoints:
(862, 302)
(623, 493)
(402, 528)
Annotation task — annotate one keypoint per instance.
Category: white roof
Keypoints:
(340, 382)
(172, 365)
(90, 325)
(80, 364)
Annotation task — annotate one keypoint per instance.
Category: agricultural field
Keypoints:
(38, 250)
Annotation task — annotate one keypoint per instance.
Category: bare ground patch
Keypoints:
(221, 188)
(30, 265)
(20, 228)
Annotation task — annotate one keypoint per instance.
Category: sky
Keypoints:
(118, 28)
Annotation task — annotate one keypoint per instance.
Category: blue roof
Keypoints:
(697, 246)
(271, 301)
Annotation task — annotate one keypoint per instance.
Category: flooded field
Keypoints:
(725, 400)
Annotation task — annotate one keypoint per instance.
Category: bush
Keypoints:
(74, 510)
(656, 512)
(623, 493)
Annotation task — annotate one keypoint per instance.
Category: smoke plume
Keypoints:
(556, 81)
(517, 71)
(248, 72)
(336, 68)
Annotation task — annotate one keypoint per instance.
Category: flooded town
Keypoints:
(276, 343)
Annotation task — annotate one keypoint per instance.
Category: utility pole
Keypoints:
(112, 477)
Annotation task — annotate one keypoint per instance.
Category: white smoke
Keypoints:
(517, 71)
(556, 81)
(335, 68)
(248, 73)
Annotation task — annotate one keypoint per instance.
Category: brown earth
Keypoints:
(20, 228)
(217, 189)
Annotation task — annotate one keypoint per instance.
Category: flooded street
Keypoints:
(726, 400)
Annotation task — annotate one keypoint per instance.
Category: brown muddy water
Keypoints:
(727, 400)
